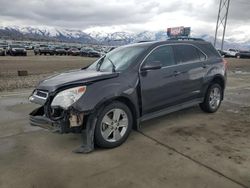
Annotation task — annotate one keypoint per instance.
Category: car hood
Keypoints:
(74, 77)
(17, 48)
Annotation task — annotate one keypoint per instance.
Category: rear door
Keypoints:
(191, 70)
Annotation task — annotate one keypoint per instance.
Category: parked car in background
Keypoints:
(222, 53)
(73, 51)
(36, 49)
(16, 49)
(243, 54)
(90, 52)
(43, 50)
(129, 85)
(3, 45)
(2, 51)
(93, 53)
(60, 51)
(29, 47)
(231, 52)
(85, 51)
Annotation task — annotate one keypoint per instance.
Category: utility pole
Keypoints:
(222, 21)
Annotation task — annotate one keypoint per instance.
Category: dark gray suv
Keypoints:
(130, 84)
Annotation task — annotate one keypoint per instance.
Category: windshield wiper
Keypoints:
(99, 64)
(113, 65)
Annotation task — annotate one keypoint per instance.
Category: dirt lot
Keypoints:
(183, 149)
(38, 67)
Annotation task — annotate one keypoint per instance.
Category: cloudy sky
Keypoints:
(127, 15)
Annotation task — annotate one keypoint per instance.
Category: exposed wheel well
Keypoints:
(219, 80)
(131, 107)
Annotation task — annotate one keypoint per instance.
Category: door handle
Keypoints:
(204, 66)
(176, 73)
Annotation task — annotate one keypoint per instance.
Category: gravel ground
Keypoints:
(188, 148)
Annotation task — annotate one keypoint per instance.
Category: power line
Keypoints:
(222, 21)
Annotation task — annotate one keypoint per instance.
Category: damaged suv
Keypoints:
(130, 84)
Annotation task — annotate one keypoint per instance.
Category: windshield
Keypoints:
(120, 58)
(16, 46)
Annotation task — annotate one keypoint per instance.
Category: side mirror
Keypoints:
(152, 66)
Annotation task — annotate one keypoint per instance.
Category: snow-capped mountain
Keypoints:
(70, 35)
(100, 37)
(117, 38)
(45, 33)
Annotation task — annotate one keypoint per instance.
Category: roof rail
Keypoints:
(145, 41)
(186, 38)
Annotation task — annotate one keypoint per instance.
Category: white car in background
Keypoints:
(231, 52)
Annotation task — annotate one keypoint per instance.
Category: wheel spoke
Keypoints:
(215, 97)
(117, 114)
(117, 135)
(123, 122)
(107, 120)
(107, 132)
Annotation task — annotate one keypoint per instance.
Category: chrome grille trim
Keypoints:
(36, 94)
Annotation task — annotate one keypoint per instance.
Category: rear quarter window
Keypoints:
(209, 50)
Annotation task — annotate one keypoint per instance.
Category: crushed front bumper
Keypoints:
(64, 124)
(38, 118)
(67, 124)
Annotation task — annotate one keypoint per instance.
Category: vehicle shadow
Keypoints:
(169, 118)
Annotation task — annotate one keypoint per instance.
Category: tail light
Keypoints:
(225, 63)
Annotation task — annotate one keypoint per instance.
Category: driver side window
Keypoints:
(163, 54)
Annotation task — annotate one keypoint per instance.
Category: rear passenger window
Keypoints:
(186, 54)
(164, 54)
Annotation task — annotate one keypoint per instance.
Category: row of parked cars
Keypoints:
(74, 51)
(232, 52)
(42, 49)
(13, 49)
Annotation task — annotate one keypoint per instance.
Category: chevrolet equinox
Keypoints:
(128, 85)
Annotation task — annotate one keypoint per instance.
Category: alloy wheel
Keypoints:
(114, 125)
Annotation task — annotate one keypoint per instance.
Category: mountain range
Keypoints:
(78, 36)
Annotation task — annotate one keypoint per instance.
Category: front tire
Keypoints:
(212, 99)
(113, 125)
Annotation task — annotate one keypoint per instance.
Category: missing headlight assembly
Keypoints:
(57, 113)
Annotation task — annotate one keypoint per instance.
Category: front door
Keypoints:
(159, 87)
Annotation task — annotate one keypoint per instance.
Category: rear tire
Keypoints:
(113, 125)
(212, 99)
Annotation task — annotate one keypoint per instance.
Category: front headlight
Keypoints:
(67, 97)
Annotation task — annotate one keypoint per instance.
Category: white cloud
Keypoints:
(129, 15)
